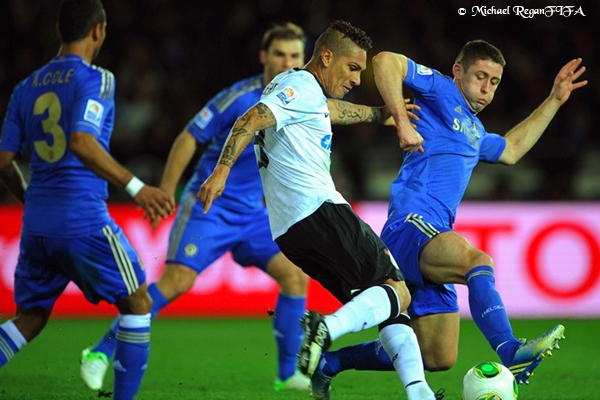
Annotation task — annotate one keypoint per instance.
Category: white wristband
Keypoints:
(134, 186)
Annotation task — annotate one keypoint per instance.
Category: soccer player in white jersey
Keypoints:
(312, 223)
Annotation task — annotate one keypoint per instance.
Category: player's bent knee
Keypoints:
(138, 303)
(478, 257)
(437, 362)
(176, 280)
(30, 322)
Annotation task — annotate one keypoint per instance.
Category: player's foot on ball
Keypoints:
(93, 368)
(316, 340)
(320, 384)
(531, 353)
(298, 381)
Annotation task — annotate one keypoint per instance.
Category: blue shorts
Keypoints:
(102, 264)
(197, 239)
(406, 237)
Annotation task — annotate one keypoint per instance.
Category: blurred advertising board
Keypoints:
(547, 259)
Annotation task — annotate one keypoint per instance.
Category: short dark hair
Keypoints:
(476, 50)
(77, 17)
(342, 29)
(282, 31)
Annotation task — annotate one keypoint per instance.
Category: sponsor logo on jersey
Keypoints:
(458, 110)
(423, 70)
(287, 95)
(326, 142)
(94, 112)
(204, 117)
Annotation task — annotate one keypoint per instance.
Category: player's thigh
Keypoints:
(447, 257)
(438, 339)
(39, 281)
(103, 263)
(336, 248)
(198, 239)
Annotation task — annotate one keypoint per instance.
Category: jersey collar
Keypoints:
(310, 72)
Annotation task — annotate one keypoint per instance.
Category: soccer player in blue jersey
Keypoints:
(239, 223)
(424, 198)
(63, 116)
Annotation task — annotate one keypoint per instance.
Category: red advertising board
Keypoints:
(547, 260)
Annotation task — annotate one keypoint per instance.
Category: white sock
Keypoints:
(400, 342)
(366, 310)
(14, 334)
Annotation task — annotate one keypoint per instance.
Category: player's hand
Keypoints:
(410, 107)
(213, 187)
(386, 115)
(564, 83)
(410, 139)
(156, 204)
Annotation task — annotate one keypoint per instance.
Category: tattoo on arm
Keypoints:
(256, 118)
(346, 113)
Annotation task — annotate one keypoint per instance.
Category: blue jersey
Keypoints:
(211, 126)
(64, 198)
(433, 183)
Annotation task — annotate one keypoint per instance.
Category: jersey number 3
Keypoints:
(50, 152)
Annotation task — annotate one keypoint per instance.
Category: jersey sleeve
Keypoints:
(491, 148)
(93, 102)
(209, 121)
(293, 103)
(422, 80)
(12, 136)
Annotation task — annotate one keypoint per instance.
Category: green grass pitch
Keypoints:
(236, 359)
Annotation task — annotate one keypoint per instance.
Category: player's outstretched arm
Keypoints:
(181, 153)
(390, 70)
(154, 201)
(346, 113)
(521, 138)
(10, 175)
(257, 118)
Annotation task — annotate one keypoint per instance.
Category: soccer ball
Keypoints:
(489, 381)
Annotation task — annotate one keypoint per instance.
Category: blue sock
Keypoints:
(11, 341)
(288, 332)
(131, 355)
(108, 342)
(489, 313)
(159, 301)
(368, 356)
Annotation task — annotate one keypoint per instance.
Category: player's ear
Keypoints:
(262, 56)
(96, 32)
(326, 57)
(456, 70)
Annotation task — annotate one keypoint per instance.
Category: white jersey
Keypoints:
(295, 155)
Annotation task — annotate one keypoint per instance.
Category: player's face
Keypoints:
(343, 73)
(281, 56)
(478, 84)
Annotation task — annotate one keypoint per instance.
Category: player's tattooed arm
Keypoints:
(345, 113)
(257, 118)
